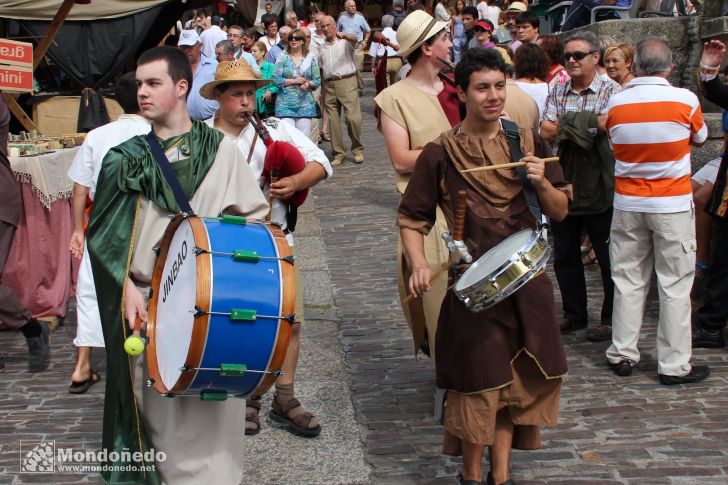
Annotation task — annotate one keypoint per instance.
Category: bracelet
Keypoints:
(709, 69)
(706, 73)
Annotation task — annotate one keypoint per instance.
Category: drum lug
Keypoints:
(169, 394)
(290, 318)
(289, 259)
(156, 250)
(150, 382)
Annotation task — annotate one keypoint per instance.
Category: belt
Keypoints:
(339, 78)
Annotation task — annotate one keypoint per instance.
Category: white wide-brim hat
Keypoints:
(415, 29)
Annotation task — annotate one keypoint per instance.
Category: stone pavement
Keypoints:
(375, 400)
(613, 430)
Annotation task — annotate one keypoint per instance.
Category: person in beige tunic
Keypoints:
(202, 440)
(410, 116)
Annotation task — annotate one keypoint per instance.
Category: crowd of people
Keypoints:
(468, 87)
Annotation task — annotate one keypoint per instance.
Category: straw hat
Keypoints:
(516, 7)
(231, 71)
(415, 29)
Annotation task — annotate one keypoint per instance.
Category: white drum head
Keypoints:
(175, 302)
(493, 259)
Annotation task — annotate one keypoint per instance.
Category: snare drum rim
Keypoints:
(534, 239)
(287, 307)
(203, 301)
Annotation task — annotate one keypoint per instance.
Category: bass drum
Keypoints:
(221, 310)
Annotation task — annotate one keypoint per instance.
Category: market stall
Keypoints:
(39, 268)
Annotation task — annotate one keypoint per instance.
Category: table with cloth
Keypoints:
(40, 268)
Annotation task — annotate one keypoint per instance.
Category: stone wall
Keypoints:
(685, 35)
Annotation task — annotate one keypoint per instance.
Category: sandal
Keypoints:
(325, 136)
(297, 425)
(81, 387)
(252, 408)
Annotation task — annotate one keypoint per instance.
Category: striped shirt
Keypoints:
(563, 98)
(650, 125)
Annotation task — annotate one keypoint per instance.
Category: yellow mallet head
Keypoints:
(134, 345)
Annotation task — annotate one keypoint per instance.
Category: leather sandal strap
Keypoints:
(291, 404)
(303, 420)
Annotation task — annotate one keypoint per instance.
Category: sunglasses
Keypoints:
(577, 55)
(299, 39)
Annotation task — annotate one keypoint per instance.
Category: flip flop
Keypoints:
(81, 387)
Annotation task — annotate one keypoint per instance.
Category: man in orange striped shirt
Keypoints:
(651, 125)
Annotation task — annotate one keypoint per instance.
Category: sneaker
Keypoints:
(568, 326)
(359, 158)
(623, 368)
(599, 333)
(697, 373)
(707, 339)
(38, 350)
(337, 161)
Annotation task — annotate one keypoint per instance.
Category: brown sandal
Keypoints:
(297, 425)
(252, 408)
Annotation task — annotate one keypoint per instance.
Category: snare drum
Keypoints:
(501, 271)
(222, 304)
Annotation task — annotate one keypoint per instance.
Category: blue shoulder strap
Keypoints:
(169, 175)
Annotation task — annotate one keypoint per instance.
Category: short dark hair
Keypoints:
(475, 60)
(250, 33)
(125, 93)
(267, 22)
(470, 10)
(531, 62)
(551, 45)
(528, 17)
(178, 67)
(216, 20)
(227, 46)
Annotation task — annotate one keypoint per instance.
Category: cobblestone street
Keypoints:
(375, 400)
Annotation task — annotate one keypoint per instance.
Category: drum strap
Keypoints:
(514, 143)
(169, 175)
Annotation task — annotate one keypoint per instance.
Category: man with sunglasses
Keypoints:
(575, 117)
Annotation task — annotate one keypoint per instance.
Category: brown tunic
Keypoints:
(476, 349)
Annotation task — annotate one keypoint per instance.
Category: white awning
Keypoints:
(97, 9)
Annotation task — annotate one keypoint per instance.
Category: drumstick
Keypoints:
(457, 231)
(505, 165)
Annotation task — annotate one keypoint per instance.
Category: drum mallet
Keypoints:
(455, 242)
(134, 344)
(488, 168)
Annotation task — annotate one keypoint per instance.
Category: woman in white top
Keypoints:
(532, 69)
(440, 12)
(271, 36)
(488, 11)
